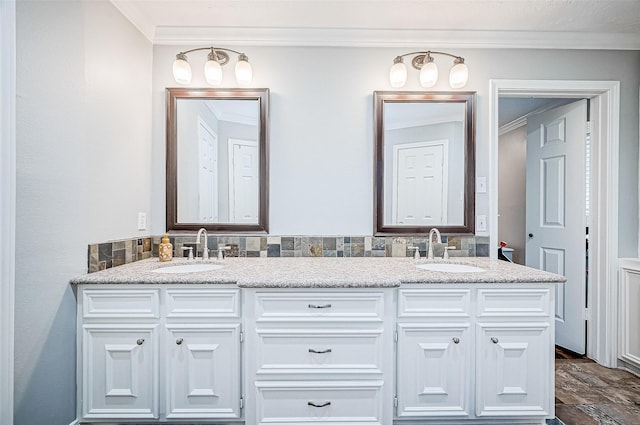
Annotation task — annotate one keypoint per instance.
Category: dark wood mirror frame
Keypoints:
(262, 97)
(468, 99)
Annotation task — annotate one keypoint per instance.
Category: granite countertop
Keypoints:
(320, 272)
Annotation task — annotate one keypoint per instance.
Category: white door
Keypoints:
(556, 221)
(513, 374)
(120, 367)
(243, 181)
(433, 370)
(208, 174)
(203, 379)
(420, 183)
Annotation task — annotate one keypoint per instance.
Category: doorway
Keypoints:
(602, 291)
(543, 201)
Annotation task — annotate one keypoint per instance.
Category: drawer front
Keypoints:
(324, 306)
(513, 302)
(319, 352)
(434, 302)
(202, 303)
(328, 403)
(120, 303)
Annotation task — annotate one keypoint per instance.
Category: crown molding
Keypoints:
(138, 19)
(352, 37)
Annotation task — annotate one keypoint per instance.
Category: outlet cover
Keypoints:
(481, 223)
(481, 185)
(142, 221)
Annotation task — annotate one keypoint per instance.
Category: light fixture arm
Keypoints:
(418, 61)
(423, 62)
(216, 58)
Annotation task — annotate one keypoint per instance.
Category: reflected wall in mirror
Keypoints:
(424, 162)
(217, 159)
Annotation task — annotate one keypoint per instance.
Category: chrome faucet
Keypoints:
(205, 250)
(438, 240)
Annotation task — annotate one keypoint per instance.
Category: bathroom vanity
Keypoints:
(308, 340)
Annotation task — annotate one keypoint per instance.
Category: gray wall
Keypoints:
(83, 160)
(512, 151)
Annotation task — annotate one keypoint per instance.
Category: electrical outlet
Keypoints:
(481, 223)
(481, 185)
(142, 221)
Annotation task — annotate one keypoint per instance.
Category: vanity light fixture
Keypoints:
(423, 61)
(216, 59)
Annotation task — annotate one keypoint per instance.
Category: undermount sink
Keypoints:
(188, 268)
(450, 268)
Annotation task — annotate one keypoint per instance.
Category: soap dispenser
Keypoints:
(165, 251)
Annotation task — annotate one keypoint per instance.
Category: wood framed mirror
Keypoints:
(424, 162)
(217, 159)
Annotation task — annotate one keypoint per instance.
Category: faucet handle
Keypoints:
(446, 252)
(416, 254)
(221, 250)
(190, 249)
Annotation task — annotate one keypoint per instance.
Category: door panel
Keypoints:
(120, 372)
(556, 218)
(433, 370)
(204, 367)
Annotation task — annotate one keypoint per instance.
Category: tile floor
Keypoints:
(590, 394)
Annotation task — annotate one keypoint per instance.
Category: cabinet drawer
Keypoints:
(434, 302)
(337, 402)
(319, 351)
(120, 303)
(202, 303)
(513, 302)
(320, 306)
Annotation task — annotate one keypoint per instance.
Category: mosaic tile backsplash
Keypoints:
(111, 254)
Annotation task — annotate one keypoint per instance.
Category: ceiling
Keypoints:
(558, 24)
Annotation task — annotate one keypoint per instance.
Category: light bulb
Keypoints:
(429, 72)
(244, 73)
(459, 74)
(398, 73)
(181, 69)
(213, 70)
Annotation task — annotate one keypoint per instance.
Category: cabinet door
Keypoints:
(120, 372)
(433, 370)
(203, 377)
(513, 370)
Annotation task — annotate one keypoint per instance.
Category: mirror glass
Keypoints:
(216, 159)
(425, 168)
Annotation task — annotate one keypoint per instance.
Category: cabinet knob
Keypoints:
(325, 404)
(456, 340)
(530, 235)
(179, 341)
(140, 341)
(320, 306)
(311, 350)
(494, 340)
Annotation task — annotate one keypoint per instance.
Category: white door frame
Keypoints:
(602, 329)
(7, 204)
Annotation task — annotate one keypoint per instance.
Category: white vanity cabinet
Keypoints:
(475, 353)
(319, 356)
(160, 353)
